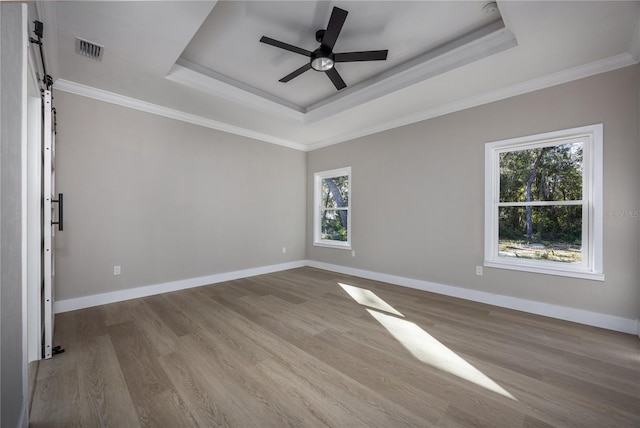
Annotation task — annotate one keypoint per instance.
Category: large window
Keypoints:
(543, 203)
(332, 216)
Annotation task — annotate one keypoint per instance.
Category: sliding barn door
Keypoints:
(52, 220)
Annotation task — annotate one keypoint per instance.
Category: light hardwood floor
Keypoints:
(296, 348)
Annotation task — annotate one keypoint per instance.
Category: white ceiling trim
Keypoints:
(586, 70)
(210, 82)
(476, 45)
(113, 98)
(597, 67)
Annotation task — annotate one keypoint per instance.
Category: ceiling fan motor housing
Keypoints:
(322, 59)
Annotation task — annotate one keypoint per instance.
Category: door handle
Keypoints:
(60, 221)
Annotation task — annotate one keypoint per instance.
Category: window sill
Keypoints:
(335, 244)
(574, 273)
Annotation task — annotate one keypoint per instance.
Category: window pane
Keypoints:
(542, 174)
(334, 225)
(335, 192)
(548, 233)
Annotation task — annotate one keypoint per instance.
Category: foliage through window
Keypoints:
(543, 203)
(332, 214)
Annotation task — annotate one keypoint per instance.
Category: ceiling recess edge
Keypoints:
(474, 46)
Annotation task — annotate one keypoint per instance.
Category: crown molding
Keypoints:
(113, 98)
(564, 76)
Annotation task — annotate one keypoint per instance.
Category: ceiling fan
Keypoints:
(323, 59)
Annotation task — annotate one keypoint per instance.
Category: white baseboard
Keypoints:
(580, 316)
(150, 290)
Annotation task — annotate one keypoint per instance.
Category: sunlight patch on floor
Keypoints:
(419, 343)
(428, 349)
(368, 298)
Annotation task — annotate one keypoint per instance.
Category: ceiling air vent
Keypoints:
(89, 49)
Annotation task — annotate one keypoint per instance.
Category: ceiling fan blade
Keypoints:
(336, 79)
(296, 73)
(338, 16)
(285, 46)
(361, 56)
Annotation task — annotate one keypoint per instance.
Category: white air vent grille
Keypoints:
(89, 49)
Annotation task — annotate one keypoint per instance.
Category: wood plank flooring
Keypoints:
(296, 349)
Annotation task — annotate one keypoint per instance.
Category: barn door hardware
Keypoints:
(59, 201)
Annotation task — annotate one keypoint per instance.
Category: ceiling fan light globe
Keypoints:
(322, 63)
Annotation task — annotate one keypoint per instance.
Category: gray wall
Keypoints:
(167, 200)
(12, 99)
(170, 201)
(418, 194)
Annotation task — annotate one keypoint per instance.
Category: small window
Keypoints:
(332, 215)
(543, 203)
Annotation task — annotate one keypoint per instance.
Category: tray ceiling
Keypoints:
(227, 48)
(201, 61)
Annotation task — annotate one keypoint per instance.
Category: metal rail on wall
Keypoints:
(38, 30)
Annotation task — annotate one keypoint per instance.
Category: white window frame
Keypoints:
(592, 207)
(318, 209)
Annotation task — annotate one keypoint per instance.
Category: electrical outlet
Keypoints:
(116, 270)
(353, 253)
(479, 270)
(284, 250)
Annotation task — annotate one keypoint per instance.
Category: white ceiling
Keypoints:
(202, 61)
